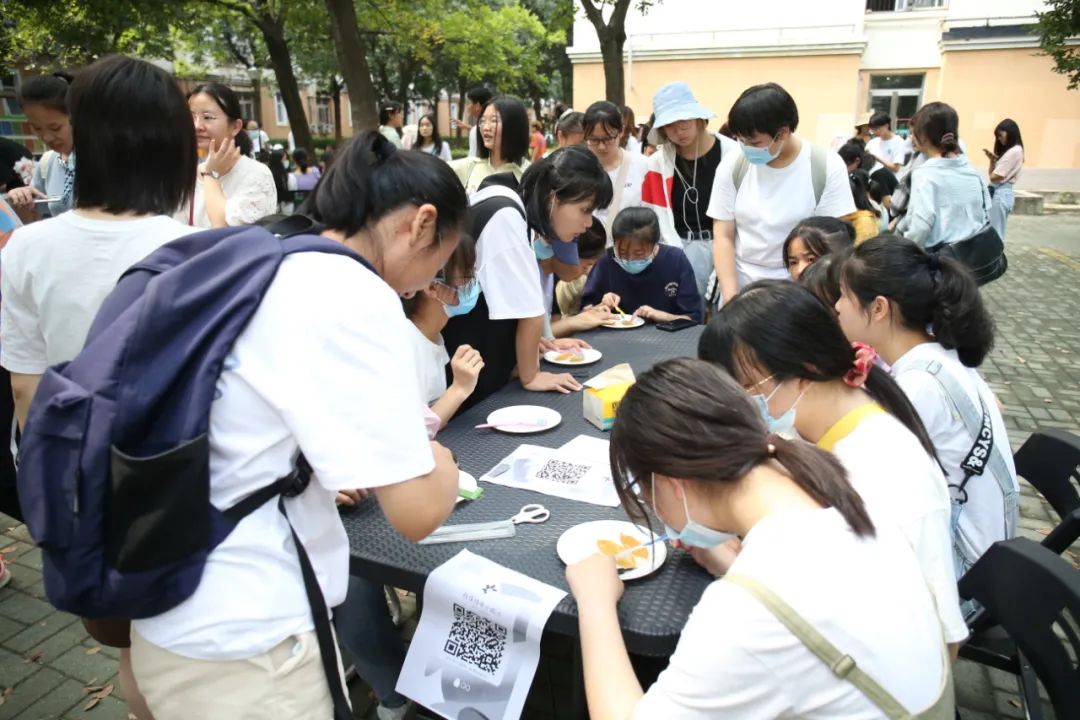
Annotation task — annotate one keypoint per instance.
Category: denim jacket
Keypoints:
(949, 202)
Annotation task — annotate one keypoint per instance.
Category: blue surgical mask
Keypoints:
(467, 295)
(543, 249)
(784, 426)
(693, 534)
(760, 156)
(634, 267)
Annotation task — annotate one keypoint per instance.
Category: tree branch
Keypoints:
(618, 15)
(593, 13)
(244, 8)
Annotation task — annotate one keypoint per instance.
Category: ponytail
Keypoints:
(926, 290)
(690, 420)
(881, 386)
(570, 174)
(938, 124)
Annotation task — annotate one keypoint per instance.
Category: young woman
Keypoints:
(869, 218)
(680, 178)
(429, 140)
(304, 177)
(391, 118)
(569, 130)
(44, 101)
(504, 143)
(232, 188)
(1006, 162)
(642, 276)
(282, 180)
(691, 443)
(603, 131)
(135, 168)
(822, 278)
(787, 349)
(778, 189)
(949, 199)
(537, 142)
(243, 644)
(812, 239)
(628, 141)
(507, 310)
(926, 317)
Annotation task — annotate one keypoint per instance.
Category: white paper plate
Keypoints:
(579, 542)
(587, 356)
(534, 419)
(631, 322)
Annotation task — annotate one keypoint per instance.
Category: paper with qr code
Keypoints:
(475, 650)
(554, 471)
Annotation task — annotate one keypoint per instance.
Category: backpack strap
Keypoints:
(842, 666)
(482, 212)
(738, 173)
(819, 160)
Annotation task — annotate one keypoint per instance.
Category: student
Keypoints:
(9, 495)
(926, 317)
(783, 176)
(869, 218)
(629, 141)
(603, 131)
(44, 102)
(889, 151)
(304, 177)
(822, 278)
(591, 245)
(555, 202)
(242, 645)
(680, 176)
(569, 130)
(949, 199)
(134, 169)
(430, 141)
(787, 349)
(537, 143)
(232, 188)
(282, 180)
(1006, 162)
(504, 136)
(690, 442)
(391, 118)
(803, 247)
(642, 276)
(477, 98)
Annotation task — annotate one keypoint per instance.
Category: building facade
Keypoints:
(842, 58)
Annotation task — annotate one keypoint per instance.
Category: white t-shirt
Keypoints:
(982, 521)
(770, 202)
(431, 360)
(250, 194)
(631, 195)
(866, 596)
(473, 147)
(892, 150)
(325, 365)
(904, 488)
(57, 272)
(633, 145)
(505, 263)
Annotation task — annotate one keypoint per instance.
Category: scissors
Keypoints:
(531, 513)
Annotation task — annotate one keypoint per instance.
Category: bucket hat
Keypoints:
(674, 102)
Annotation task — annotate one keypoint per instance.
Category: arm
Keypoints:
(587, 319)
(23, 387)
(920, 213)
(526, 342)
(465, 366)
(418, 506)
(688, 301)
(214, 198)
(723, 248)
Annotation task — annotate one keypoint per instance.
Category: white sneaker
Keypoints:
(5, 574)
(398, 713)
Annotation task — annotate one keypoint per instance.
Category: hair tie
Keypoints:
(770, 444)
(948, 137)
(860, 367)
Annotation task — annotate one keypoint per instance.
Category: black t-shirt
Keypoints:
(696, 187)
(10, 153)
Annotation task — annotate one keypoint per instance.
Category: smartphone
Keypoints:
(675, 325)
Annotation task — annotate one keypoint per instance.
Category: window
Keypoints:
(247, 105)
(902, 5)
(898, 95)
(282, 115)
(324, 116)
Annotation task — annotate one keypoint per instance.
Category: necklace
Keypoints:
(690, 193)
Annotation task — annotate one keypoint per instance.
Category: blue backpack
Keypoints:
(114, 474)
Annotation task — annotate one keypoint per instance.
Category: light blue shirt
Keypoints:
(949, 202)
(54, 183)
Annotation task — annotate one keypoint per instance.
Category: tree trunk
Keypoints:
(352, 59)
(462, 87)
(273, 32)
(335, 100)
(611, 49)
(566, 68)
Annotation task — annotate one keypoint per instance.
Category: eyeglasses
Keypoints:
(206, 117)
(600, 141)
(483, 123)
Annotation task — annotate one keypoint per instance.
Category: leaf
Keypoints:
(33, 657)
(105, 692)
(94, 650)
(1014, 702)
(90, 705)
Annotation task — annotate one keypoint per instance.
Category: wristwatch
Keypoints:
(212, 173)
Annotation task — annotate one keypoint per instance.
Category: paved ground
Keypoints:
(49, 668)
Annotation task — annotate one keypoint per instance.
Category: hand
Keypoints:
(611, 300)
(222, 159)
(717, 560)
(562, 345)
(991, 156)
(349, 498)
(460, 124)
(646, 312)
(24, 196)
(545, 381)
(592, 317)
(466, 366)
(595, 579)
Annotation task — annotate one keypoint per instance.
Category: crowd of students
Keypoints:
(832, 344)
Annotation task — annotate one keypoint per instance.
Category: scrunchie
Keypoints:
(860, 368)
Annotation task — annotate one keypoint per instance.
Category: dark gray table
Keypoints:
(653, 610)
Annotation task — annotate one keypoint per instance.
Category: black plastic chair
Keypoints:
(1034, 596)
(1049, 460)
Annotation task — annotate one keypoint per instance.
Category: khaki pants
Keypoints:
(285, 683)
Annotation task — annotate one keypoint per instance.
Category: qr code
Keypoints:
(476, 640)
(563, 472)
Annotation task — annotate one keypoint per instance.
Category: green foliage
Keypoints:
(1056, 26)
